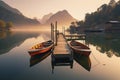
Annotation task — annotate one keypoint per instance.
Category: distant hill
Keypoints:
(8, 13)
(45, 18)
(3, 4)
(62, 17)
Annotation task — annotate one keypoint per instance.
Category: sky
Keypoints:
(39, 8)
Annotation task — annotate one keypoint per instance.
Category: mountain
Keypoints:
(3, 4)
(62, 17)
(45, 18)
(8, 13)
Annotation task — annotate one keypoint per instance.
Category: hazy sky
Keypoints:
(38, 8)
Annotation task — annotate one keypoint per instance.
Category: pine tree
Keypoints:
(112, 3)
(118, 2)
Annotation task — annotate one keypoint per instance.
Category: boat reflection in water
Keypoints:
(38, 58)
(84, 61)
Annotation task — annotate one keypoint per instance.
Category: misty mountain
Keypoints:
(3, 4)
(62, 17)
(45, 18)
(10, 14)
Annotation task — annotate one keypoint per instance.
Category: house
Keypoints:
(112, 26)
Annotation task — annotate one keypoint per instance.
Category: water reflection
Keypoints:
(107, 43)
(38, 58)
(82, 60)
(13, 39)
(62, 61)
(15, 64)
(4, 34)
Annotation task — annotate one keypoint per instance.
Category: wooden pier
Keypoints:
(62, 54)
(75, 36)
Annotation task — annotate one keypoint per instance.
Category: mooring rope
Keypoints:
(98, 62)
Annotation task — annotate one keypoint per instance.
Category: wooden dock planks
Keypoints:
(62, 47)
(75, 35)
(62, 54)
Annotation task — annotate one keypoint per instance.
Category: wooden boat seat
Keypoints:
(74, 44)
(46, 44)
(79, 47)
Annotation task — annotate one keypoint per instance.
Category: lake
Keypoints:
(16, 63)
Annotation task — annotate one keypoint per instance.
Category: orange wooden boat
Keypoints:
(80, 48)
(40, 48)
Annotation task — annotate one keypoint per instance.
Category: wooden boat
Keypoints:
(82, 60)
(40, 48)
(38, 58)
(80, 48)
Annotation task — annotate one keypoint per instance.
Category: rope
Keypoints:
(98, 62)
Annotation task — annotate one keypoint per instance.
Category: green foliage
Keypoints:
(9, 25)
(80, 23)
(103, 14)
(5, 25)
(2, 24)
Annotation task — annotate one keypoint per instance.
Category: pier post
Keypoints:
(51, 32)
(64, 30)
(56, 33)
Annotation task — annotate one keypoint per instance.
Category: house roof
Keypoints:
(113, 22)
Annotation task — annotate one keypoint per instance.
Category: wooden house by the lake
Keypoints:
(112, 26)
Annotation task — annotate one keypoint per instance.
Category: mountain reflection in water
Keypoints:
(14, 39)
(15, 62)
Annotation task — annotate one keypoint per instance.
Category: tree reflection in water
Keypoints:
(105, 42)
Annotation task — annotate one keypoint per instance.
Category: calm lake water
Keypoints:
(16, 63)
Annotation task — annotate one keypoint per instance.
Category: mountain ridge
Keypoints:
(62, 17)
(15, 17)
(45, 18)
(3, 4)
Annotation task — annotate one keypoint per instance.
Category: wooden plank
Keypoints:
(75, 35)
(62, 47)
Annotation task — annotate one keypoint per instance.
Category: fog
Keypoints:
(37, 28)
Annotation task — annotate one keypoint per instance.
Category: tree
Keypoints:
(72, 28)
(9, 25)
(118, 2)
(112, 3)
(80, 23)
(102, 8)
(5, 26)
(2, 25)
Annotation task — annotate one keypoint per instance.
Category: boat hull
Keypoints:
(40, 49)
(80, 48)
(86, 53)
